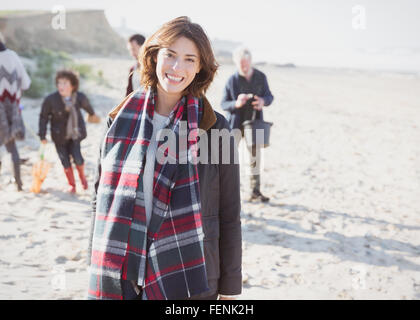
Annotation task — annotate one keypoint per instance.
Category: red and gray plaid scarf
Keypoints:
(167, 256)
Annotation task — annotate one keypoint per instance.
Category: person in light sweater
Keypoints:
(13, 79)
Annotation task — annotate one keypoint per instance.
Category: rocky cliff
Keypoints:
(85, 31)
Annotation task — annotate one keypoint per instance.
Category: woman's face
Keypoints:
(64, 87)
(177, 65)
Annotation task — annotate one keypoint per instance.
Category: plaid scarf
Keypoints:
(72, 128)
(167, 256)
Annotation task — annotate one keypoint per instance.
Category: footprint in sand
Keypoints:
(7, 237)
(34, 244)
(58, 215)
(61, 260)
(297, 278)
(344, 295)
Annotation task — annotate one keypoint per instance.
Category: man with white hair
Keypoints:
(246, 92)
(13, 79)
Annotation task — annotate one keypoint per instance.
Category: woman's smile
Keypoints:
(173, 79)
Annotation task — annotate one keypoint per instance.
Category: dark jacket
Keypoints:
(221, 207)
(53, 109)
(130, 83)
(232, 91)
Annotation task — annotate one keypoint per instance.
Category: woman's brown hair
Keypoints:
(163, 38)
(69, 75)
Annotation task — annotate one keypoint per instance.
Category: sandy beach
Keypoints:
(342, 172)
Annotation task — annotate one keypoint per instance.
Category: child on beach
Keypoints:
(62, 109)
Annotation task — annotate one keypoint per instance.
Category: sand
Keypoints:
(342, 172)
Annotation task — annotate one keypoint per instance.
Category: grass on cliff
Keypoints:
(9, 13)
(47, 63)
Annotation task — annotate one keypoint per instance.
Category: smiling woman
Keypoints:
(167, 230)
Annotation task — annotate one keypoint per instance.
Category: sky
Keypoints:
(345, 33)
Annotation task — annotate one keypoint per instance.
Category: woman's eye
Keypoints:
(191, 60)
(169, 55)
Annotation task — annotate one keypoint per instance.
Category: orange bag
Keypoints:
(39, 172)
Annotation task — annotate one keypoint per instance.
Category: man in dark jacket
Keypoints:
(134, 45)
(245, 93)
